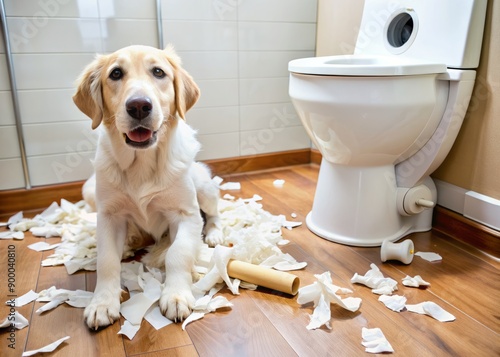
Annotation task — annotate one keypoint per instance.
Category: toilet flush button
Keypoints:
(414, 200)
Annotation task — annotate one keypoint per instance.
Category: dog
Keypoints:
(146, 182)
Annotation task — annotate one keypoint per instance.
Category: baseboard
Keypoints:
(13, 201)
(466, 230)
(38, 198)
(241, 164)
(471, 204)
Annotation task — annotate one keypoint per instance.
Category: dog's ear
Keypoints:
(88, 96)
(187, 91)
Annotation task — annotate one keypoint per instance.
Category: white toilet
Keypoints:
(385, 117)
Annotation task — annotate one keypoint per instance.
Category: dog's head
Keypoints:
(134, 91)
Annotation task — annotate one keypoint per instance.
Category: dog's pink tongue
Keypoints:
(140, 135)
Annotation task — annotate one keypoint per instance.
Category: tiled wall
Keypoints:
(237, 51)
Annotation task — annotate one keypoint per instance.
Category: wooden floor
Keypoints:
(266, 323)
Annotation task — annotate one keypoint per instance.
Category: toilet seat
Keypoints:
(362, 65)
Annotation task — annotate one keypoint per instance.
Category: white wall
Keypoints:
(237, 51)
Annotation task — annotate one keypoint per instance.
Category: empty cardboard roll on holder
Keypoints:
(403, 251)
(269, 278)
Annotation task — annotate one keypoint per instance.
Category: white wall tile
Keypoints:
(54, 138)
(273, 140)
(263, 90)
(49, 105)
(256, 64)
(218, 146)
(201, 35)
(56, 35)
(237, 51)
(273, 116)
(274, 36)
(4, 74)
(218, 93)
(7, 117)
(2, 44)
(127, 9)
(54, 169)
(277, 10)
(10, 145)
(49, 71)
(51, 8)
(217, 10)
(214, 120)
(121, 33)
(210, 65)
(12, 174)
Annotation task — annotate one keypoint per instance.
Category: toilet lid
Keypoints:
(360, 65)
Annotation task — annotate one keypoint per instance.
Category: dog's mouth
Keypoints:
(140, 137)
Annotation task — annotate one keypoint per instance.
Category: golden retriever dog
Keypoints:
(146, 182)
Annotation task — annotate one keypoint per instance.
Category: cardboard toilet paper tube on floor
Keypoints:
(266, 277)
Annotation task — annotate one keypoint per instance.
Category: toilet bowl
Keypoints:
(385, 117)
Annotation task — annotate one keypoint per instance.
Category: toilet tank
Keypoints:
(440, 31)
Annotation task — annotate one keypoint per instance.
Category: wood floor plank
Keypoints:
(26, 269)
(184, 351)
(68, 321)
(148, 339)
(241, 331)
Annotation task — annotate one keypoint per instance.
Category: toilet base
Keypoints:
(358, 206)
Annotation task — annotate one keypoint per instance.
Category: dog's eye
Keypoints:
(158, 72)
(116, 74)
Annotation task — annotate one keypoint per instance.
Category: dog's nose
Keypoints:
(139, 107)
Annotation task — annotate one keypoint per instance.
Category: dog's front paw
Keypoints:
(176, 304)
(103, 310)
(213, 237)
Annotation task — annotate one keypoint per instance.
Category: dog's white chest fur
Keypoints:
(153, 186)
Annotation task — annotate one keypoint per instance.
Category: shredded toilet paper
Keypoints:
(253, 234)
(429, 256)
(15, 320)
(415, 282)
(432, 309)
(23, 299)
(49, 348)
(375, 280)
(393, 302)
(322, 293)
(375, 341)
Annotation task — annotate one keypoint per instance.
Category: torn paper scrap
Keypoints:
(432, 309)
(23, 300)
(136, 307)
(42, 246)
(323, 292)
(429, 256)
(55, 297)
(230, 186)
(394, 302)
(415, 282)
(49, 348)
(321, 315)
(205, 305)
(11, 235)
(129, 330)
(375, 280)
(156, 318)
(15, 320)
(278, 183)
(375, 341)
